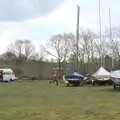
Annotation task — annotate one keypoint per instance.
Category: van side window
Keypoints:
(6, 73)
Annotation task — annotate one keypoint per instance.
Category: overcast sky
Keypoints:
(38, 20)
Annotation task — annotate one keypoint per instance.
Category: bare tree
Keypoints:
(86, 47)
(60, 45)
(42, 53)
(29, 49)
(113, 45)
(18, 46)
(22, 49)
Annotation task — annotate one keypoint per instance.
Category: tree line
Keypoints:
(92, 52)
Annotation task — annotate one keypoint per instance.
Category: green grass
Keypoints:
(43, 101)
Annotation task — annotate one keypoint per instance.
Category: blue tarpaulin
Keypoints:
(74, 76)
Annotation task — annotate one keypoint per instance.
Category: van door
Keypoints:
(7, 76)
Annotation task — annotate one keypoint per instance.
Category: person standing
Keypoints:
(1, 76)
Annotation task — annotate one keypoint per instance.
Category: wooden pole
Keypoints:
(77, 39)
(110, 36)
(100, 30)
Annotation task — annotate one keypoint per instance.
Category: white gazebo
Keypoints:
(101, 74)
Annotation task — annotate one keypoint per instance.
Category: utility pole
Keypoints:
(77, 39)
(100, 31)
(111, 36)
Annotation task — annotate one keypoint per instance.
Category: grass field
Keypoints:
(42, 101)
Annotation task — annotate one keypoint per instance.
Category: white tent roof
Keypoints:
(101, 72)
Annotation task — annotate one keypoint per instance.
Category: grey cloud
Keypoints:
(17, 10)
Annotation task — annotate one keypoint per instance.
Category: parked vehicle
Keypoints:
(74, 79)
(7, 75)
(115, 77)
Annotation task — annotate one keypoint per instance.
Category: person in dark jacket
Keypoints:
(1, 76)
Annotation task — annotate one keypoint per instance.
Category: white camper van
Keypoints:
(8, 75)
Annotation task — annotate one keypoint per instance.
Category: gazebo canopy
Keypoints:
(101, 73)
